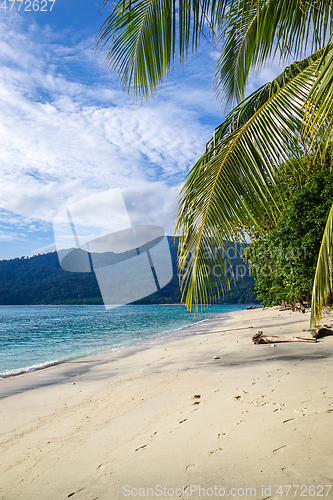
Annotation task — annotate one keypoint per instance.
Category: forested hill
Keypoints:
(41, 280)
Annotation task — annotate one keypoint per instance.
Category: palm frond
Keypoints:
(319, 106)
(231, 71)
(144, 36)
(230, 192)
(323, 286)
(257, 30)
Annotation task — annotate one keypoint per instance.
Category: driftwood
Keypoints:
(321, 332)
(259, 338)
(293, 307)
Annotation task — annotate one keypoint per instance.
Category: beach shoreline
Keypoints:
(210, 410)
(110, 334)
(60, 371)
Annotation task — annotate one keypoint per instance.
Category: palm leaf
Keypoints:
(319, 106)
(230, 192)
(318, 126)
(322, 286)
(143, 37)
(259, 29)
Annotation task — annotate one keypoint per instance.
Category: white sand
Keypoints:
(264, 418)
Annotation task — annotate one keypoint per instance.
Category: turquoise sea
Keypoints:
(34, 337)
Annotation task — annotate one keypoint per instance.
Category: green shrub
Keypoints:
(283, 262)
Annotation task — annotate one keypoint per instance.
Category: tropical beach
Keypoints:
(166, 262)
(211, 411)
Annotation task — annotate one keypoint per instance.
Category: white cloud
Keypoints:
(8, 236)
(63, 140)
(67, 134)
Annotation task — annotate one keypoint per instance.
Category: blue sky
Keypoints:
(67, 130)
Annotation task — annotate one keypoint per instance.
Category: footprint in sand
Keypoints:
(278, 450)
(214, 451)
(140, 447)
(74, 492)
(196, 397)
(188, 466)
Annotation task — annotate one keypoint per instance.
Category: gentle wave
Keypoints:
(33, 368)
(34, 338)
(167, 335)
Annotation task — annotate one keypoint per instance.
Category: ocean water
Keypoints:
(34, 337)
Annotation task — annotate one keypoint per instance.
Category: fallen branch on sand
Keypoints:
(293, 308)
(321, 332)
(259, 338)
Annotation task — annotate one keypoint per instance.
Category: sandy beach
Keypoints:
(211, 415)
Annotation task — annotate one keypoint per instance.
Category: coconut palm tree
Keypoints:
(230, 194)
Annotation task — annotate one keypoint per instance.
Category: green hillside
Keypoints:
(41, 280)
